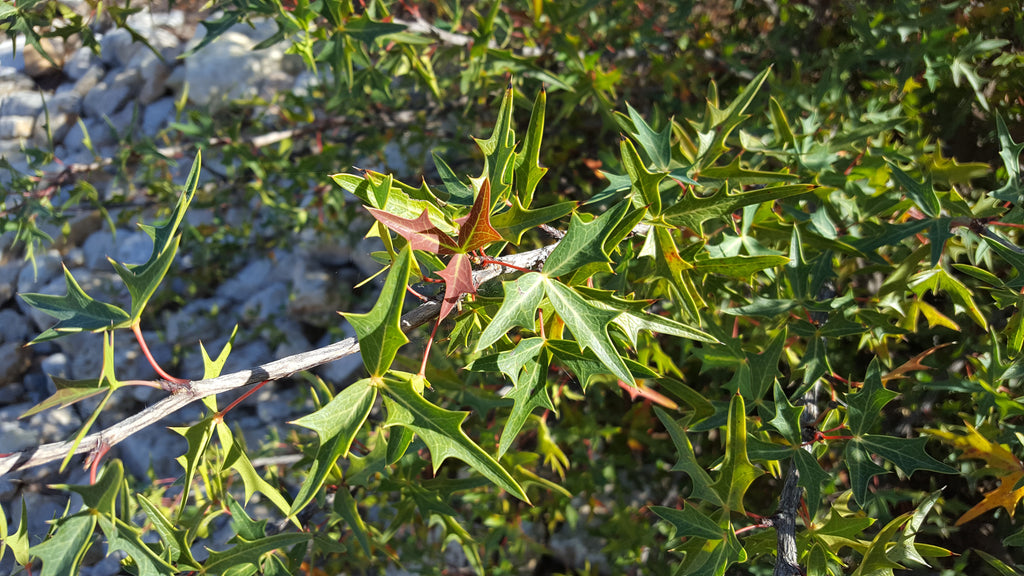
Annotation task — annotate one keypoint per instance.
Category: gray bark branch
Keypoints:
(196, 390)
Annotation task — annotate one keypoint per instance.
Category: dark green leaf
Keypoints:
(689, 522)
(584, 242)
(379, 330)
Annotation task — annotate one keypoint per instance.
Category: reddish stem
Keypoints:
(238, 401)
(426, 353)
(94, 460)
(149, 356)
(487, 260)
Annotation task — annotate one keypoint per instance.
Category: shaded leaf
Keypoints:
(379, 330)
(75, 312)
(62, 553)
(689, 522)
(687, 461)
(529, 393)
(737, 473)
(589, 325)
(441, 430)
(336, 424)
(692, 211)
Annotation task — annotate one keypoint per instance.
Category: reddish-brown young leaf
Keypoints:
(458, 280)
(420, 232)
(476, 232)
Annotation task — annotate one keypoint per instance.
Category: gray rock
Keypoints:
(16, 127)
(15, 360)
(198, 320)
(156, 116)
(8, 277)
(47, 267)
(314, 294)
(125, 120)
(227, 69)
(154, 446)
(270, 301)
(247, 282)
(21, 103)
(97, 247)
(117, 47)
(13, 81)
(111, 94)
(89, 80)
(56, 365)
(15, 60)
(153, 72)
(58, 125)
(65, 101)
(13, 327)
(17, 435)
(133, 247)
(80, 62)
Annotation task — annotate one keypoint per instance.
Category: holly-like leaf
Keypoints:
(864, 409)
(1005, 497)
(876, 561)
(346, 507)
(862, 468)
(127, 538)
(511, 362)
(522, 297)
(657, 145)
(476, 232)
(687, 462)
(938, 278)
(499, 150)
(458, 191)
(17, 541)
(589, 325)
(198, 436)
(1009, 152)
(736, 175)
(175, 540)
(787, 418)
(529, 393)
(810, 479)
(420, 232)
(692, 211)
(379, 330)
(528, 171)
(336, 424)
(644, 181)
(515, 221)
(689, 522)
(739, 267)
(75, 312)
(142, 280)
(62, 554)
(248, 553)
(103, 495)
(737, 473)
(458, 280)
(441, 430)
(906, 453)
(584, 242)
(906, 551)
(68, 392)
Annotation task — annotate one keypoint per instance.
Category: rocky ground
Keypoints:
(129, 88)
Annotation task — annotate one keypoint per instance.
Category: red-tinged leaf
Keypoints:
(458, 280)
(420, 232)
(477, 232)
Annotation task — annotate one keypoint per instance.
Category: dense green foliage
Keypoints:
(813, 266)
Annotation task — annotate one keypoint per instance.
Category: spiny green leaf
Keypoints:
(739, 267)
(687, 462)
(584, 242)
(589, 325)
(862, 468)
(529, 393)
(1009, 152)
(17, 541)
(103, 495)
(499, 151)
(75, 312)
(936, 279)
(143, 280)
(905, 551)
(787, 418)
(643, 180)
(692, 211)
(657, 145)
(512, 361)
(864, 409)
(336, 424)
(737, 175)
(515, 221)
(458, 191)
(198, 436)
(127, 538)
(175, 540)
(237, 460)
(62, 554)
(922, 193)
(249, 552)
(737, 473)
(379, 330)
(528, 170)
(522, 297)
(907, 454)
(812, 476)
(876, 561)
(441, 430)
(689, 522)
(68, 392)
(345, 506)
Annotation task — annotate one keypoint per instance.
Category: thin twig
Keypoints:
(196, 390)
